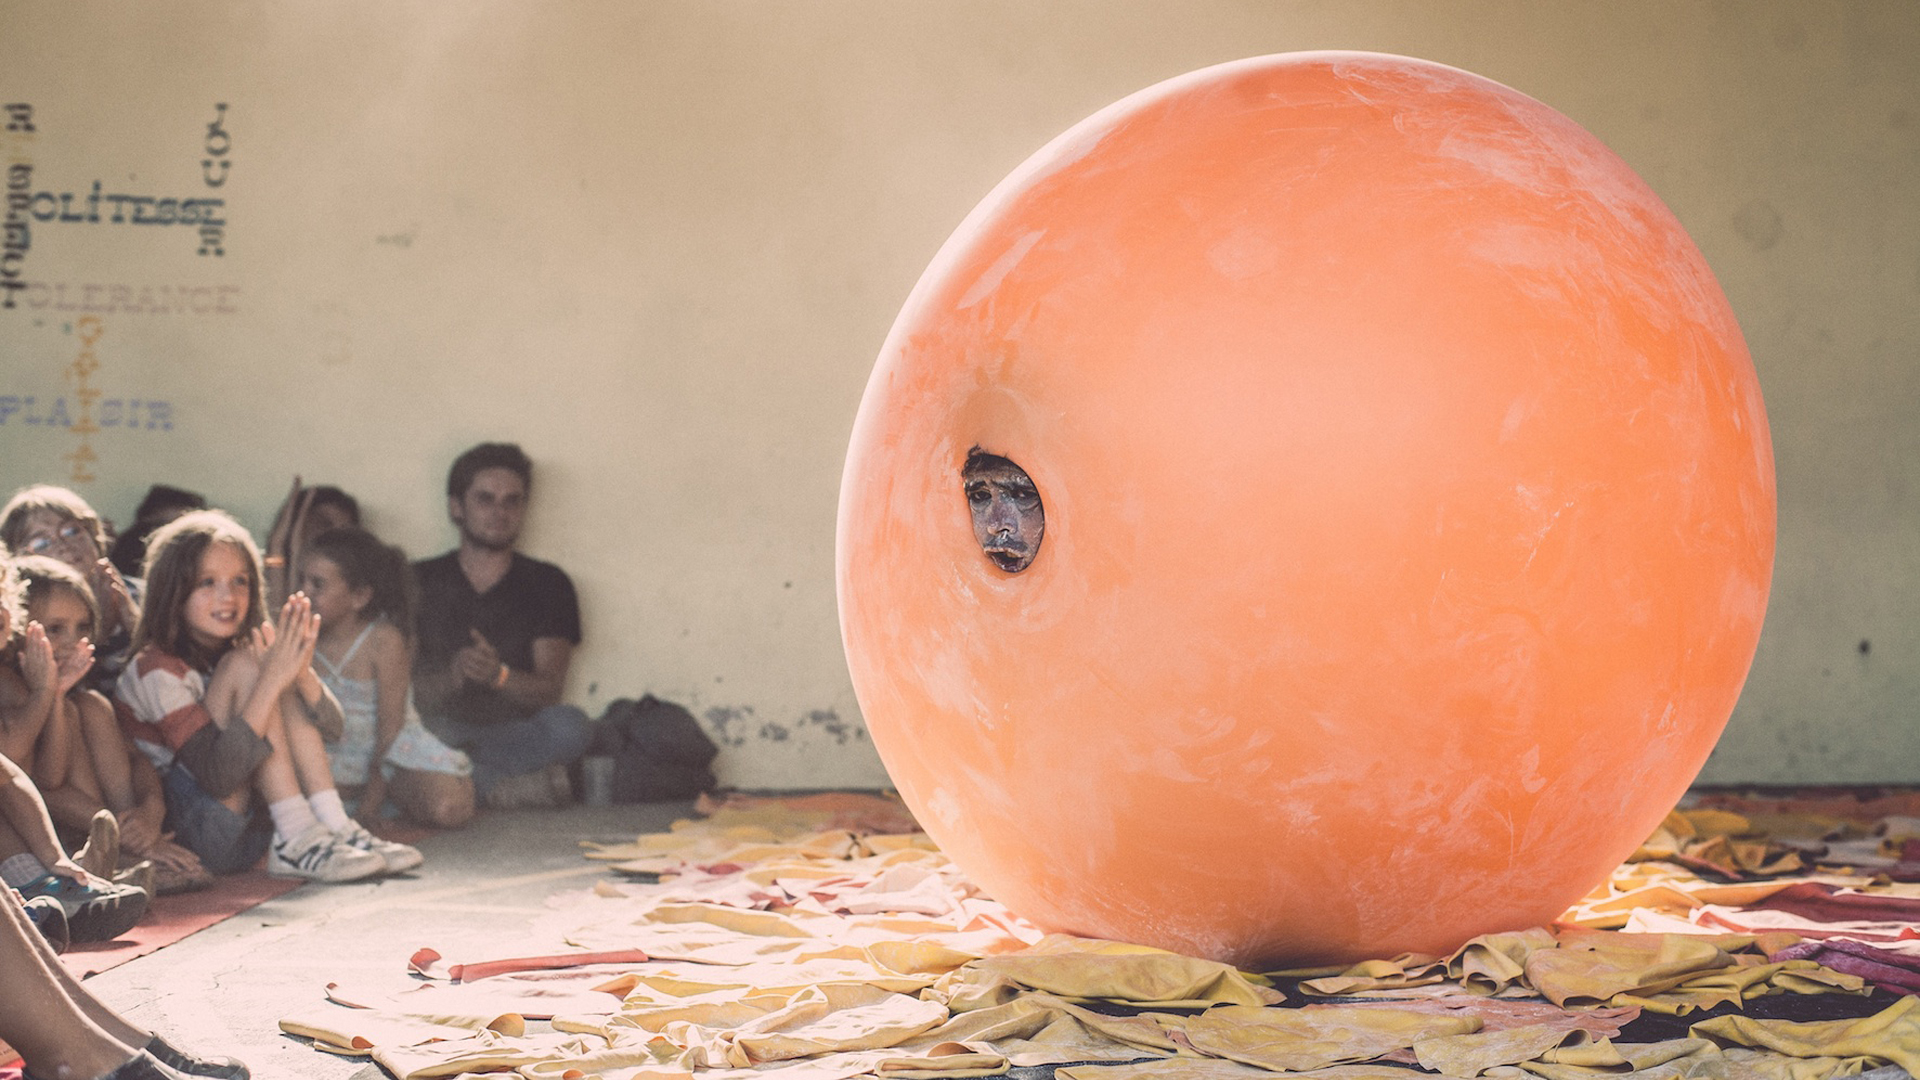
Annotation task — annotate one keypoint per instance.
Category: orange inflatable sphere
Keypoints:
(1408, 518)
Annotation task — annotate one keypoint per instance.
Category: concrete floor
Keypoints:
(225, 989)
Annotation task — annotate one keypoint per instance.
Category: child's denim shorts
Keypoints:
(227, 842)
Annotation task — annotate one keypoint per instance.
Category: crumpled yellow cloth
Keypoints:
(1733, 985)
(480, 1053)
(941, 1061)
(665, 984)
(816, 1020)
(1394, 973)
(1476, 1052)
(1674, 973)
(1645, 1061)
(1589, 969)
(360, 1030)
(1889, 1037)
(1040, 1029)
(1144, 977)
(1185, 1069)
(1311, 1037)
(803, 951)
(1492, 962)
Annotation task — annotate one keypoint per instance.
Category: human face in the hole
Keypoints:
(1008, 519)
(490, 513)
(65, 617)
(217, 606)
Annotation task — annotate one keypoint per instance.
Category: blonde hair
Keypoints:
(11, 602)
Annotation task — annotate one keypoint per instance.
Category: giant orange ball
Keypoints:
(1409, 517)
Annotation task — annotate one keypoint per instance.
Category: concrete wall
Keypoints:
(660, 243)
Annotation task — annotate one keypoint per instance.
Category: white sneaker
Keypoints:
(318, 855)
(541, 789)
(397, 856)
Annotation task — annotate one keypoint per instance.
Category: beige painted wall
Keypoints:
(659, 244)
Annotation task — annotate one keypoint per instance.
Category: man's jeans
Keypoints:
(556, 735)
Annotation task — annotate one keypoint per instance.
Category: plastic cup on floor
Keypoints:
(596, 775)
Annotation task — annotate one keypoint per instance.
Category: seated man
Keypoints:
(496, 636)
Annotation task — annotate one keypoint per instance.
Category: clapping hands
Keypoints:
(285, 650)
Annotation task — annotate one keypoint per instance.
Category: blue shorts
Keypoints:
(227, 842)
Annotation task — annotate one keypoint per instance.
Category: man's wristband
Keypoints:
(500, 680)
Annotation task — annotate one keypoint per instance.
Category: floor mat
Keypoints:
(175, 917)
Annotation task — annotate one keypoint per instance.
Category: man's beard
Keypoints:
(469, 536)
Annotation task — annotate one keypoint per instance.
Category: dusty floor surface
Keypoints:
(225, 989)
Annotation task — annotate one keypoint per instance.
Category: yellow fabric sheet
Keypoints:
(1148, 978)
(1313, 1037)
(1890, 1037)
(804, 950)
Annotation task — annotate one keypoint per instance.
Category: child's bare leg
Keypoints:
(12, 842)
(442, 800)
(76, 798)
(44, 1014)
(227, 691)
(71, 806)
(310, 760)
(277, 777)
(106, 754)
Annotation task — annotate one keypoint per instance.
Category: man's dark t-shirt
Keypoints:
(534, 600)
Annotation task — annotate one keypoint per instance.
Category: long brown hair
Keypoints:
(172, 573)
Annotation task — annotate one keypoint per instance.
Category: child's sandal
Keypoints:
(94, 912)
(50, 918)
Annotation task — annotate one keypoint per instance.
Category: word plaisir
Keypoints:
(130, 414)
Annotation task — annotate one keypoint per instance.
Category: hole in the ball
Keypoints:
(1008, 519)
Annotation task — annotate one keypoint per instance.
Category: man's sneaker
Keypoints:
(318, 855)
(398, 857)
(541, 789)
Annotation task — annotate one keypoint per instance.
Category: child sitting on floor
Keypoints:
(31, 859)
(362, 589)
(58, 523)
(104, 771)
(227, 706)
(33, 683)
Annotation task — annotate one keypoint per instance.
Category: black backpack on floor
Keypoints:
(660, 752)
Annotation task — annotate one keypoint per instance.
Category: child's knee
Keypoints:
(234, 676)
(446, 802)
(451, 812)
